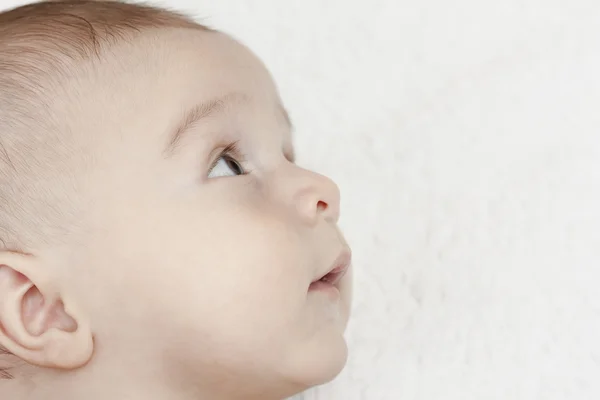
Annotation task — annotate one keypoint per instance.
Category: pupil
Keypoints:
(234, 166)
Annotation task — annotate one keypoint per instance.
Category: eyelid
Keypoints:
(231, 150)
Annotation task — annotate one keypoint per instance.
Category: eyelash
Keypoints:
(233, 152)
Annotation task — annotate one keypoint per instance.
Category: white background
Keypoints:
(465, 138)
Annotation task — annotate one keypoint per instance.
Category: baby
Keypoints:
(157, 240)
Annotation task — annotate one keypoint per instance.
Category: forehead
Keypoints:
(164, 78)
(209, 62)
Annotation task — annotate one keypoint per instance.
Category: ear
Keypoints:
(37, 324)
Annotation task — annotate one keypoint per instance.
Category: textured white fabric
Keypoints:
(465, 138)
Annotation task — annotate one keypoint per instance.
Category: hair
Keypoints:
(40, 44)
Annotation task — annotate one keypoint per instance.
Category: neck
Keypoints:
(77, 385)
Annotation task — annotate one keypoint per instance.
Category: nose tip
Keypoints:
(322, 198)
(312, 196)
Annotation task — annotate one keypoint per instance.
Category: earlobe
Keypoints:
(36, 323)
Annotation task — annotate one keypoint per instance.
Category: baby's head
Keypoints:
(156, 238)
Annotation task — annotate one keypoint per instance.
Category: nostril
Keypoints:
(321, 206)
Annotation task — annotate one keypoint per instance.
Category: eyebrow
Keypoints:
(212, 107)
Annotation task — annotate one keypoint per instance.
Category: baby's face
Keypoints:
(204, 237)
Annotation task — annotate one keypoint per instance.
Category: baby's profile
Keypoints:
(157, 240)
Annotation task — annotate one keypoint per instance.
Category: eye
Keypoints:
(225, 165)
(228, 163)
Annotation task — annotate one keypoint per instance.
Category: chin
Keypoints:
(320, 361)
(332, 361)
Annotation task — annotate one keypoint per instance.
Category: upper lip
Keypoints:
(338, 269)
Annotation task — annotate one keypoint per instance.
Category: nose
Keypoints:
(313, 195)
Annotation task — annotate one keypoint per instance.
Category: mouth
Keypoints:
(331, 279)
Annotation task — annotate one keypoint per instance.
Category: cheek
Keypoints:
(230, 270)
(204, 278)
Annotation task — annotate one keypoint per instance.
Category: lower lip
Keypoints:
(320, 286)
